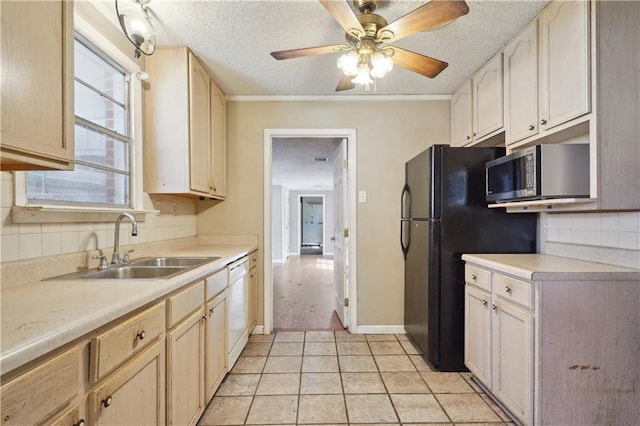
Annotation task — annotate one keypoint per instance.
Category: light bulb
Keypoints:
(348, 63)
(363, 77)
(381, 65)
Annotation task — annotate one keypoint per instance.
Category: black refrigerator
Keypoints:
(444, 215)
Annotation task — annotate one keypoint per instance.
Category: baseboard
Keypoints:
(380, 329)
(258, 329)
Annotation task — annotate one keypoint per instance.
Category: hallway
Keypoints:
(326, 377)
(303, 294)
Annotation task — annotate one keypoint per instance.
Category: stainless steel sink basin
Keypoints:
(137, 272)
(146, 268)
(174, 261)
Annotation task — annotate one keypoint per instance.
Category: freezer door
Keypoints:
(418, 176)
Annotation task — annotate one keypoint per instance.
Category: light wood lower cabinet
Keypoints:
(134, 395)
(215, 343)
(477, 341)
(69, 417)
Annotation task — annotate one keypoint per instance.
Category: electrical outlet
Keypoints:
(362, 196)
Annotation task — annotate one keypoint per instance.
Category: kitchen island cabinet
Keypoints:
(555, 327)
(37, 86)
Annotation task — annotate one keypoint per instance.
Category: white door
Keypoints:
(340, 224)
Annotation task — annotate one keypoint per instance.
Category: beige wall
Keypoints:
(388, 134)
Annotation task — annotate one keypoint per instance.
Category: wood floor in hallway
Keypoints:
(303, 294)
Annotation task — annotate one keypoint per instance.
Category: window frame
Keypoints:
(21, 204)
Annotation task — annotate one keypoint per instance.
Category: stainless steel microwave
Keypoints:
(539, 172)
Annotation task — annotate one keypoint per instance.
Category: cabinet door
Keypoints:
(487, 98)
(199, 132)
(564, 62)
(477, 334)
(521, 86)
(218, 141)
(512, 358)
(37, 85)
(461, 115)
(185, 371)
(134, 395)
(216, 344)
(253, 299)
(70, 417)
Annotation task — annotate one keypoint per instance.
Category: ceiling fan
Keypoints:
(367, 57)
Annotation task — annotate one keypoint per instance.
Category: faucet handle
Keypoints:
(103, 262)
(126, 258)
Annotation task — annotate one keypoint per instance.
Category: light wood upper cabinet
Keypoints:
(199, 126)
(37, 85)
(461, 124)
(521, 85)
(218, 141)
(564, 62)
(185, 128)
(487, 99)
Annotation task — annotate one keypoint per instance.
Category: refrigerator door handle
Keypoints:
(405, 248)
(405, 202)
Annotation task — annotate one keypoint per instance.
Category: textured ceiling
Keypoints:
(293, 165)
(234, 39)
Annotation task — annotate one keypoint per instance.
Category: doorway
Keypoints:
(275, 234)
(311, 225)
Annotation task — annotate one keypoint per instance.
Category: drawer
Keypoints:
(216, 283)
(253, 259)
(182, 304)
(238, 269)
(513, 290)
(115, 346)
(41, 391)
(478, 277)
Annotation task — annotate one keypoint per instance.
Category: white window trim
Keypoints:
(22, 212)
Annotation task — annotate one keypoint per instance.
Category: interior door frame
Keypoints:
(350, 136)
(299, 223)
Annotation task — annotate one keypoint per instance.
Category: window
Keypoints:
(103, 138)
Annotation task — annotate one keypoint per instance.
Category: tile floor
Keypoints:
(337, 378)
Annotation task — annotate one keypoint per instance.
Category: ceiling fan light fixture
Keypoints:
(381, 64)
(348, 63)
(363, 75)
(137, 25)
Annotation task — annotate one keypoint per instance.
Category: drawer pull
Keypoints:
(107, 401)
(494, 307)
(507, 289)
(474, 277)
(485, 303)
(543, 121)
(531, 127)
(141, 335)
(211, 311)
(204, 317)
(80, 422)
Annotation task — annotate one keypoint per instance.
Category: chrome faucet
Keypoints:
(115, 259)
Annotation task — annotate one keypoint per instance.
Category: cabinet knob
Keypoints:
(543, 121)
(473, 277)
(494, 307)
(531, 127)
(468, 137)
(141, 335)
(204, 317)
(80, 422)
(507, 289)
(474, 133)
(107, 401)
(211, 311)
(485, 303)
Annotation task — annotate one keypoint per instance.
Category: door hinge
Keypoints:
(346, 301)
(346, 232)
(346, 164)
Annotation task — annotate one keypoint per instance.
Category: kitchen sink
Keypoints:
(146, 268)
(174, 261)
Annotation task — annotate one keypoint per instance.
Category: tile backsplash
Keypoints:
(27, 241)
(601, 237)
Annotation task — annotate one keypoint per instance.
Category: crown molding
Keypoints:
(333, 98)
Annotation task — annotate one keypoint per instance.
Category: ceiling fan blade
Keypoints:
(429, 67)
(309, 51)
(345, 83)
(341, 12)
(430, 15)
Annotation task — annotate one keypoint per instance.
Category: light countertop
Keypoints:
(41, 316)
(546, 267)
